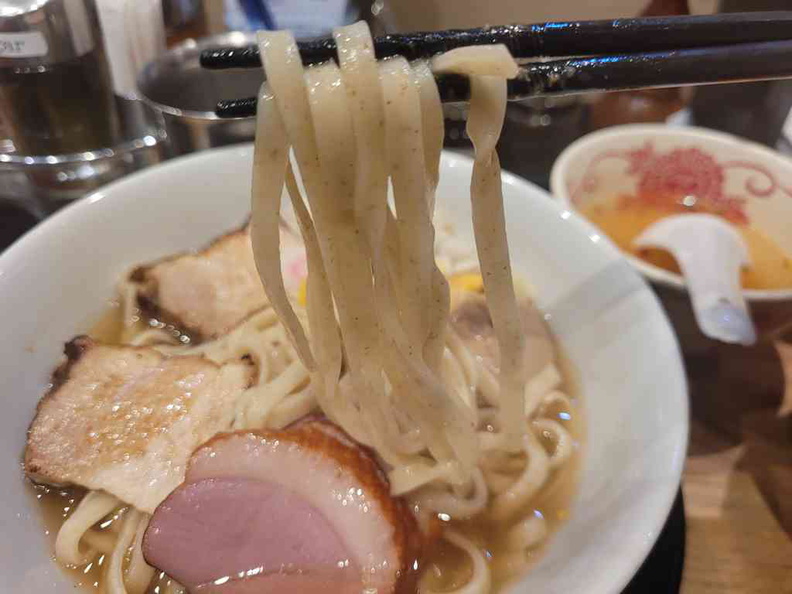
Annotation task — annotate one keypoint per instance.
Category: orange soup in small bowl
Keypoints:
(624, 217)
(625, 178)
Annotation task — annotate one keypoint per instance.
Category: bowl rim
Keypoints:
(588, 142)
(625, 570)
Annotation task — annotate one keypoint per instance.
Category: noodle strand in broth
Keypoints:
(94, 506)
(115, 570)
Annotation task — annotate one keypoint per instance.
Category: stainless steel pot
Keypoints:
(176, 86)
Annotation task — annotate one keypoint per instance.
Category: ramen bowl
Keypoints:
(748, 182)
(57, 279)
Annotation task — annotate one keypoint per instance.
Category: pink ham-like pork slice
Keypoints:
(303, 510)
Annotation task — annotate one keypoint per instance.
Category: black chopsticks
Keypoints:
(734, 63)
(602, 55)
(577, 38)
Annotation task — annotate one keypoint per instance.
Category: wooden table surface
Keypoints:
(738, 479)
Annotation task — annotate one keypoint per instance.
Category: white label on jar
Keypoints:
(23, 45)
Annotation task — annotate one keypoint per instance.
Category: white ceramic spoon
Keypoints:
(710, 253)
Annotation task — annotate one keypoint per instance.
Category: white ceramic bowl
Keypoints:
(754, 182)
(58, 278)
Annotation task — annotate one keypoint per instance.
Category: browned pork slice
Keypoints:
(471, 319)
(302, 510)
(126, 419)
(207, 293)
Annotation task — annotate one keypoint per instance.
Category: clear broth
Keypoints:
(56, 505)
(448, 567)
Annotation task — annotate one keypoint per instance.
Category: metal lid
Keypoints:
(177, 85)
(41, 32)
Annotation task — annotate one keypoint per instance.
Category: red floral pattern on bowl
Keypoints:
(685, 171)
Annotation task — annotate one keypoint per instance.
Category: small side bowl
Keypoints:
(752, 181)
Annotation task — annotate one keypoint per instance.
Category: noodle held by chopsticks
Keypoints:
(325, 150)
(389, 296)
(269, 169)
(351, 128)
(488, 68)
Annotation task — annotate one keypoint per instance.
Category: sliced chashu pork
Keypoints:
(302, 510)
(471, 319)
(126, 419)
(205, 294)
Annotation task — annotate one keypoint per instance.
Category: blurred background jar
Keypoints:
(69, 125)
(55, 91)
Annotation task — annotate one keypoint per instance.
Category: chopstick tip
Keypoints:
(236, 108)
(221, 58)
